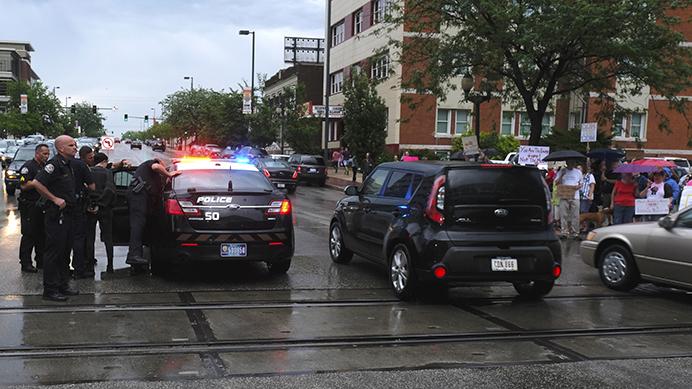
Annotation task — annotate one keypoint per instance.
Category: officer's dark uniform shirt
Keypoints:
(82, 176)
(59, 178)
(153, 179)
(28, 172)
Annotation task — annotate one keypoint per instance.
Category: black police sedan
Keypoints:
(280, 173)
(216, 210)
(13, 173)
(437, 224)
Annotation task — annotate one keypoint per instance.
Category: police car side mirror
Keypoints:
(351, 190)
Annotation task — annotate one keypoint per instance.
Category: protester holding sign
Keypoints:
(587, 189)
(657, 190)
(623, 197)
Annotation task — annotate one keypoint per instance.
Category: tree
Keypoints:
(90, 122)
(570, 139)
(44, 115)
(265, 123)
(304, 135)
(541, 49)
(365, 118)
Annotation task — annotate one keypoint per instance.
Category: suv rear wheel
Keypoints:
(337, 248)
(533, 289)
(401, 273)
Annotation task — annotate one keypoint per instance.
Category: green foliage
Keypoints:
(365, 118)
(45, 115)
(91, 123)
(541, 49)
(571, 140)
(304, 135)
(265, 125)
(502, 144)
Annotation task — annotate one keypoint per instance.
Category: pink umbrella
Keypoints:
(659, 163)
(632, 168)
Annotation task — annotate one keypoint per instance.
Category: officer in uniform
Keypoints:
(33, 235)
(100, 209)
(56, 182)
(144, 198)
(83, 182)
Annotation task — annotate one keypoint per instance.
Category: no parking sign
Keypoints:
(107, 143)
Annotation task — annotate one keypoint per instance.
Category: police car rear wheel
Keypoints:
(280, 267)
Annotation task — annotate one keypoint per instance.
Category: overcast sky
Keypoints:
(132, 53)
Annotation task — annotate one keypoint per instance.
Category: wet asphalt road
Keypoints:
(329, 325)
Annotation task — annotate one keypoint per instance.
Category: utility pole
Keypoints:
(327, 86)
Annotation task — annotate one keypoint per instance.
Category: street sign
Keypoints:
(303, 50)
(470, 144)
(532, 155)
(247, 101)
(589, 132)
(24, 103)
(335, 111)
(107, 143)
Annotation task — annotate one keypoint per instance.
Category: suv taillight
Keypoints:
(266, 173)
(436, 202)
(295, 175)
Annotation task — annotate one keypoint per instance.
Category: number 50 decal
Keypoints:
(211, 216)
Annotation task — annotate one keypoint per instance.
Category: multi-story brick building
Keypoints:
(15, 65)
(434, 122)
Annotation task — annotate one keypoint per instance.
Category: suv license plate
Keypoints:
(504, 264)
(312, 170)
(233, 250)
(280, 185)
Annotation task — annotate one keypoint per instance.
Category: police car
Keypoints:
(216, 210)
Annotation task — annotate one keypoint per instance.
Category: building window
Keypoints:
(637, 129)
(379, 10)
(358, 21)
(524, 124)
(380, 68)
(619, 125)
(462, 121)
(5, 63)
(574, 119)
(507, 123)
(3, 88)
(337, 82)
(333, 131)
(338, 33)
(442, 122)
(547, 125)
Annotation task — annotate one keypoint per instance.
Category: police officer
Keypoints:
(100, 209)
(33, 235)
(56, 182)
(144, 198)
(83, 182)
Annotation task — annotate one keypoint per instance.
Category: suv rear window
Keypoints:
(310, 160)
(494, 186)
(252, 181)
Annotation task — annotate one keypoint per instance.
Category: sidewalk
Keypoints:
(339, 181)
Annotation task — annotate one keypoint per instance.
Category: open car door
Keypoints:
(121, 210)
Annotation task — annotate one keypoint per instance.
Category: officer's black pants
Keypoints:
(59, 239)
(79, 260)
(138, 203)
(33, 233)
(105, 219)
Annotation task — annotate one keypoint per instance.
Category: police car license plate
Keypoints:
(280, 185)
(312, 170)
(503, 264)
(233, 250)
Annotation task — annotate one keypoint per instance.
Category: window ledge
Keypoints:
(444, 136)
(628, 139)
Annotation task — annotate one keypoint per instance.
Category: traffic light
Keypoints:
(125, 117)
(146, 118)
(94, 109)
(73, 109)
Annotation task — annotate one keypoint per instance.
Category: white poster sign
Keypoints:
(532, 155)
(335, 111)
(107, 143)
(651, 206)
(589, 132)
(24, 103)
(470, 144)
(247, 101)
(686, 198)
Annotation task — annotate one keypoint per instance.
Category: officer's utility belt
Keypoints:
(138, 185)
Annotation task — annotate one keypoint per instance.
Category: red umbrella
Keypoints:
(661, 163)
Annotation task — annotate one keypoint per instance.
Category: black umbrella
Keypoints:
(458, 156)
(606, 154)
(564, 155)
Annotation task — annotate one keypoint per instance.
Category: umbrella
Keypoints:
(458, 156)
(606, 154)
(564, 155)
(659, 163)
(633, 168)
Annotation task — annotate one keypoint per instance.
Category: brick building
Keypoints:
(434, 122)
(310, 76)
(15, 65)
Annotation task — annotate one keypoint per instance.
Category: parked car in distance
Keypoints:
(158, 145)
(135, 144)
(310, 168)
(116, 140)
(212, 150)
(681, 162)
(279, 173)
(8, 155)
(13, 173)
(282, 157)
(5, 154)
(251, 152)
(436, 224)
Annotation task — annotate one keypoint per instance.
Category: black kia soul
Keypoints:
(438, 224)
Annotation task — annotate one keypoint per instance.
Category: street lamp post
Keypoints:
(192, 82)
(252, 80)
(154, 116)
(67, 98)
(54, 88)
(467, 83)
